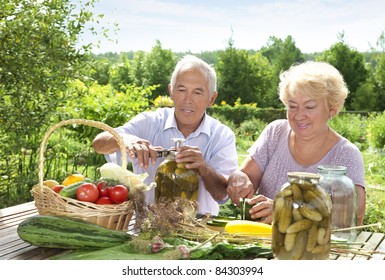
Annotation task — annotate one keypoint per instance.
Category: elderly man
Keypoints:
(209, 146)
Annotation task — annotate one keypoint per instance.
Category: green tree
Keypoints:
(378, 76)
(120, 73)
(281, 55)
(366, 98)
(39, 56)
(243, 76)
(234, 74)
(99, 72)
(350, 63)
(158, 66)
(138, 68)
(263, 80)
(211, 57)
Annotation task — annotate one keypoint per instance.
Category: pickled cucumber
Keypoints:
(175, 181)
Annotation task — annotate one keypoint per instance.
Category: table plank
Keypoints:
(380, 255)
(8, 240)
(370, 245)
(12, 216)
(361, 238)
(10, 243)
(11, 226)
(36, 253)
(10, 211)
(13, 248)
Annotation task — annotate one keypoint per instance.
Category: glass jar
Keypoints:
(175, 180)
(301, 219)
(344, 200)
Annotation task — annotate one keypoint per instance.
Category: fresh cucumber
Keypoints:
(219, 222)
(70, 190)
(244, 207)
(68, 233)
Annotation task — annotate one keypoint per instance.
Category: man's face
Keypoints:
(191, 98)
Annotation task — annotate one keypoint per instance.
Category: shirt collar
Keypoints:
(204, 126)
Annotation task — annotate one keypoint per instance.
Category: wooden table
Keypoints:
(13, 248)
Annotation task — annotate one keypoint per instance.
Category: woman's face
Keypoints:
(308, 117)
(191, 97)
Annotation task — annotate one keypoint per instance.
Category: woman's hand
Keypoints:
(239, 186)
(262, 209)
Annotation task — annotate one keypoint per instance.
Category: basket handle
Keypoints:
(96, 124)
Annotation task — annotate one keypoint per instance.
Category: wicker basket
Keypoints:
(48, 202)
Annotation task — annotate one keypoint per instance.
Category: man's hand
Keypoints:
(143, 151)
(239, 186)
(214, 182)
(192, 157)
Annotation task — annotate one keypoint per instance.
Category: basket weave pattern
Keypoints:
(48, 202)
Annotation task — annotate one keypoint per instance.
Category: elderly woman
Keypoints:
(313, 93)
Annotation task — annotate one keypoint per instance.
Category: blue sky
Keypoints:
(207, 25)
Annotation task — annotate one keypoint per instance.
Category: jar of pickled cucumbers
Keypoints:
(174, 180)
(344, 200)
(302, 219)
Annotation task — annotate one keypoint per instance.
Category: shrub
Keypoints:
(376, 130)
(224, 120)
(374, 212)
(242, 112)
(163, 101)
(353, 127)
(251, 129)
(104, 104)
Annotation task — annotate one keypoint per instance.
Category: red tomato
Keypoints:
(87, 192)
(103, 189)
(104, 200)
(57, 188)
(118, 193)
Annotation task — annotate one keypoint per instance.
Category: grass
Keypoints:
(375, 188)
(375, 210)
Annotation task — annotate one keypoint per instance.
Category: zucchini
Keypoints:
(70, 190)
(68, 233)
(244, 227)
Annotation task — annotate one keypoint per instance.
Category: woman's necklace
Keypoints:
(314, 157)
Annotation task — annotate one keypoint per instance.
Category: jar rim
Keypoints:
(304, 175)
(330, 167)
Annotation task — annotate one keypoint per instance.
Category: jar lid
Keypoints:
(304, 175)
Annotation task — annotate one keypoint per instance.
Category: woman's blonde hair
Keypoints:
(318, 80)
